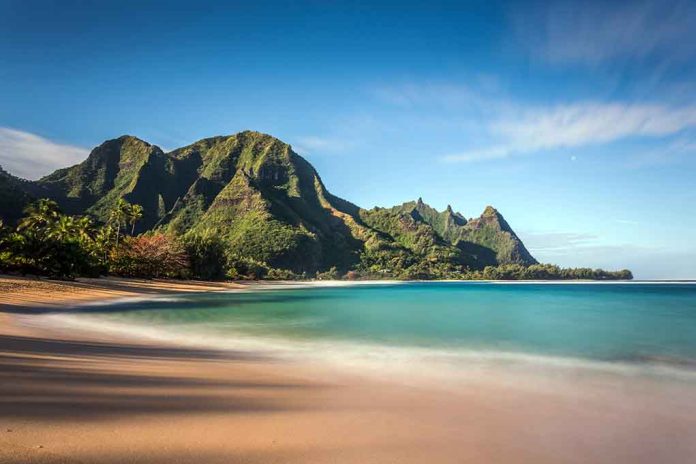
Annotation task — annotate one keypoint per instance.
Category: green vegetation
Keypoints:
(149, 255)
(49, 243)
(547, 272)
(14, 197)
(207, 255)
(240, 206)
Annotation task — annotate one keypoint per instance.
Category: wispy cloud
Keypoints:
(550, 242)
(592, 32)
(315, 144)
(442, 94)
(523, 130)
(573, 249)
(673, 152)
(30, 156)
(628, 222)
(494, 125)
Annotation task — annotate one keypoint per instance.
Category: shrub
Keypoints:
(150, 256)
(245, 268)
(206, 254)
(282, 274)
(331, 274)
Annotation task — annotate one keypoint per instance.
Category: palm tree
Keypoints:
(33, 229)
(134, 215)
(119, 216)
(102, 241)
(84, 228)
(63, 229)
(39, 214)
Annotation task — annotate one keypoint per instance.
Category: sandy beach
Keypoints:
(76, 397)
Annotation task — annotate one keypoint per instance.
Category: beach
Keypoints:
(70, 395)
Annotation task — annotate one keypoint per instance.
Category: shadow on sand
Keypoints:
(67, 380)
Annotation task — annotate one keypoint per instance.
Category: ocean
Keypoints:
(432, 327)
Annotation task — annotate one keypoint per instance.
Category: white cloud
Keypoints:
(30, 156)
(478, 154)
(579, 124)
(591, 32)
(555, 242)
(529, 130)
(314, 144)
(492, 125)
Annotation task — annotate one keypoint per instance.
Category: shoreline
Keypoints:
(85, 396)
(34, 292)
(40, 292)
(437, 363)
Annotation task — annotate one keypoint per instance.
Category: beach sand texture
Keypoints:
(69, 397)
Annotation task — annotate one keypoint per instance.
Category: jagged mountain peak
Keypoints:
(492, 230)
(492, 217)
(490, 211)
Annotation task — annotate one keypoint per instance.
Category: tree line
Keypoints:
(50, 243)
(47, 242)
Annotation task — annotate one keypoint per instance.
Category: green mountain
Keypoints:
(14, 196)
(490, 231)
(269, 204)
(487, 240)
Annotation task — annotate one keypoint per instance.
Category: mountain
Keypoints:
(491, 231)
(266, 203)
(484, 241)
(14, 196)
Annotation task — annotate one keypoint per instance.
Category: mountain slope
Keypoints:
(266, 201)
(491, 230)
(126, 167)
(487, 240)
(14, 196)
(268, 204)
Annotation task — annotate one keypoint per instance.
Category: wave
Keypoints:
(132, 299)
(445, 365)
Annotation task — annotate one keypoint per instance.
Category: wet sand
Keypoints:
(19, 292)
(76, 397)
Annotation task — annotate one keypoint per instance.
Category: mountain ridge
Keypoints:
(269, 204)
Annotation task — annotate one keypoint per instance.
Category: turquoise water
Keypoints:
(618, 322)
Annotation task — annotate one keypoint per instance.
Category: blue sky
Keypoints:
(577, 120)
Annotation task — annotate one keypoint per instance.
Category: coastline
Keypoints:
(32, 292)
(81, 396)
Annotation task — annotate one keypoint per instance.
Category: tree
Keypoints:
(135, 213)
(51, 243)
(32, 242)
(104, 243)
(150, 256)
(124, 214)
(39, 215)
(207, 255)
(119, 217)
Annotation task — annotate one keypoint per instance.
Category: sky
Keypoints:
(576, 120)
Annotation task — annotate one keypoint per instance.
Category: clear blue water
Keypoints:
(631, 323)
